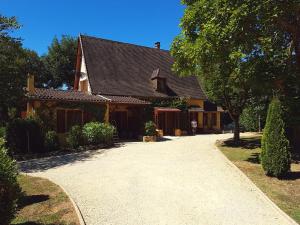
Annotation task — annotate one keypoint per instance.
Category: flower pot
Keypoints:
(160, 133)
(149, 138)
(178, 132)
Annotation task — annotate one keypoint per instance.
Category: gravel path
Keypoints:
(184, 181)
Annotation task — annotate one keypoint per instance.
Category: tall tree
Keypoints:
(219, 43)
(60, 62)
(11, 62)
(280, 22)
(280, 40)
(15, 64)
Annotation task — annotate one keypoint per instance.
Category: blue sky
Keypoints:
(141, 22)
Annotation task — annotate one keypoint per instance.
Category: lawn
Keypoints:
(285, 193)
(44, 202)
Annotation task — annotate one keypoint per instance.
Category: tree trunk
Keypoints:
(236, 136)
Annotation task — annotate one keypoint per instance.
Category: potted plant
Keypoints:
(150, 132)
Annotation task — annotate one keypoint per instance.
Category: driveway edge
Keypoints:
(77, 210)
(260, 192)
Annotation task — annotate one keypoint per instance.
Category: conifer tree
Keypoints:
(275, 155)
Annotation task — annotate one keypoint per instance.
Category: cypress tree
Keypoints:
(275, 155)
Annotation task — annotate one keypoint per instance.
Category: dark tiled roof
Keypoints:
(70, 95)
(78, 96)
(122, 69)
(156, 74)
(125, 100)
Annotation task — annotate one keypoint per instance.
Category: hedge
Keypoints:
(98, 133)
(9, 187)
(25, 136)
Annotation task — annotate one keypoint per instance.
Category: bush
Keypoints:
(51, 141)
(25, 136)
(75, 137)
(2, 132)
(97, 133)
(150, 129)
(275, 155)
(9, 187)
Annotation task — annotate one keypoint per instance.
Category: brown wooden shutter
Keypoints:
(61, 121)
(74, 117)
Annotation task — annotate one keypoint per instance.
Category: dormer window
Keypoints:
(161, 85)
(158, 81)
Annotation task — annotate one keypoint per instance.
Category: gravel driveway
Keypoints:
(183, 181)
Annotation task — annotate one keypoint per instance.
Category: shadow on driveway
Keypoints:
(42, 164)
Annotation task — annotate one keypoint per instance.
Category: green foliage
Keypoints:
(3, 132)
(275, 155)
(251, 115)
(75, 137)
(45, 114)
(179, 103)
(15, 63)
(219, 43)
(7, 25)
(98, 133)
(51, 141)
(9, 187)
(60, 62)
(150, 128)
(25, 136)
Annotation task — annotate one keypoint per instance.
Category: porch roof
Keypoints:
(124, 100)
(165, 109)
(78, 96)
(196, 109)
(61, 95)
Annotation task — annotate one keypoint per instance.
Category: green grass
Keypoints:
(285, 193)
(43, 203)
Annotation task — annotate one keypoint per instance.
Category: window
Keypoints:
(214, 119)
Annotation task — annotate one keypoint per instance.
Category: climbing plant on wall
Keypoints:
(97, 111)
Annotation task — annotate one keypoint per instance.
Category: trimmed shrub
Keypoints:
(2, 132)
(51, 141)
(98, 133)
(25, 136)
(275, 155)
(9, 187)
(150, 128)
(75, 137)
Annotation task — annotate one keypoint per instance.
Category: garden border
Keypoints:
(260, 192)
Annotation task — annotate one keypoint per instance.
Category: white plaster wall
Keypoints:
(83, 75)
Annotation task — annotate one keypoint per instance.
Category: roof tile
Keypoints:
(116, 68)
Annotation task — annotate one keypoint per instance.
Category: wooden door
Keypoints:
(120, 120)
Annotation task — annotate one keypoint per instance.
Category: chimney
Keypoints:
(30, 83)
(157, 45)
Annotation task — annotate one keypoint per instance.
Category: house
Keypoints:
(128, 84)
